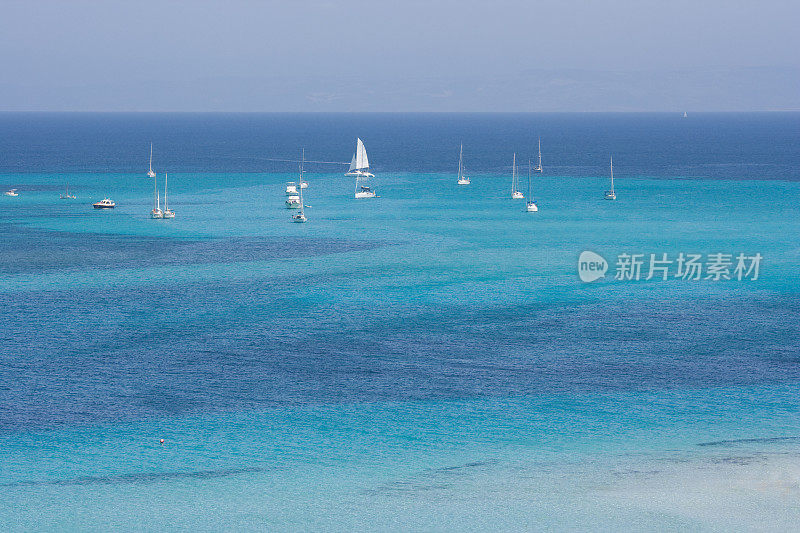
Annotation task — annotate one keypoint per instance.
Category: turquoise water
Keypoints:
(428, 360)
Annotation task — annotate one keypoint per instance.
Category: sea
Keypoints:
(433, 359)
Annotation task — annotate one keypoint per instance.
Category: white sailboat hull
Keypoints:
(365, 194)
(156, 213)
(463, 181)
(517, 195)
(293, 202)
(532, 207)
(169, 214)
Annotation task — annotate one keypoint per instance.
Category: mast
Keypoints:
(514, 174)
(460, 161)
(530, 198)
(150, 171)
(612, 174)
(155, 189)
(302, 161)
(539, 168)
(166, 208)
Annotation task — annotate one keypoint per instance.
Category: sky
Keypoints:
(353, 55)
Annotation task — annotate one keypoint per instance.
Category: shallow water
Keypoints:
(426, 360)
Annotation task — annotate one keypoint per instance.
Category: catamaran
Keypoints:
(167, 212)
(611, 195)
(515, 194)
(539, 167)
(462, 179)
(359, 167)
(301, 216)
(531, 206)
(12, 192)
(66, 195)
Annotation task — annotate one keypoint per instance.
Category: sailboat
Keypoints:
(462, 179)
(515, 194)
(301, 216)
(156, 212)
(359, 167)
(167, 212)
(611, 195)
(685, 115)
(291, 188)
(531, 206)
(11, 192)
(539, 167)
(150, 172)
(66, 195)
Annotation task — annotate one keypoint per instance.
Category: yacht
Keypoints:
(156, 212)
(293, 202)
(301, 216)
(167, 212)
(359, 167)
(12, 192)
(291, 188)
(150, 173)
(462, 179)
(66, 195)
(531, 206)
(611, 195)
(539, 166)
(515, 194)
(105, 203)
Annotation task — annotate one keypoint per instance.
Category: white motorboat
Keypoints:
(105, 203)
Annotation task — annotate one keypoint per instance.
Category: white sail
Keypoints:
(353, 163)
(362, 163)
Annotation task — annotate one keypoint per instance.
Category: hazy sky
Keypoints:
(349, 55)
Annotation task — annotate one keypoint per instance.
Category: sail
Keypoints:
(353, 164)
(362, 163)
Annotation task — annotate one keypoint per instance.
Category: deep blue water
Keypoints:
(707, 145)
(395, 356)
